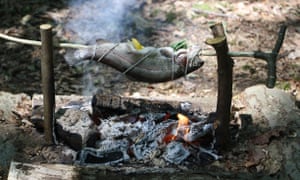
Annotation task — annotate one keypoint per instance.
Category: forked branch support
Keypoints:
(225, 65)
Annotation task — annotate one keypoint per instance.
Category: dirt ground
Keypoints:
(250, 25)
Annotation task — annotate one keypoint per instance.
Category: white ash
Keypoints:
(146, 150)
(75, 121)
(70, 153)
(175, 152)
(110, 144)
(113, 130)
(149, 145)
(147, 139)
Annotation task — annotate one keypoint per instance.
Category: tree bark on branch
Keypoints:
(225, 66)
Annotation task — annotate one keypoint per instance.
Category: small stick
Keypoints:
(198, 11)
(233, 53)
(48, 82)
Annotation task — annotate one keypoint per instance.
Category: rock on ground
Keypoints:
(267, 107)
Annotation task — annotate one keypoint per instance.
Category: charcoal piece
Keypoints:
(111, 157)
(74, 128)
(175, 152)
(73, 140)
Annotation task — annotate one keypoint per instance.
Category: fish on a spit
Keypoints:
(147, 64)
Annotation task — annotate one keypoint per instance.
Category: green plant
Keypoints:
(283, 85)
(179, 45)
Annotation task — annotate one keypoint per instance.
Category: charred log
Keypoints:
(108, 105)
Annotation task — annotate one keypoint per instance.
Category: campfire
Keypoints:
(130, 130)
(120, 130)
(126, 130)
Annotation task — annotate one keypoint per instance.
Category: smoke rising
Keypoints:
(100, 19)
(92, 20)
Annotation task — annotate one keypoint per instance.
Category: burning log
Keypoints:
(107, 105)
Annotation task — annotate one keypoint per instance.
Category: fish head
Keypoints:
(188, 59)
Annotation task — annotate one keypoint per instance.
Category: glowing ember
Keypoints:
(168, 138)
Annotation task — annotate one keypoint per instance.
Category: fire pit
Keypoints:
(135, 130)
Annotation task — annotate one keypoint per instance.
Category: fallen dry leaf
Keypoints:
(266, 137)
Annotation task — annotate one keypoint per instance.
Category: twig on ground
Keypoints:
(198, 11)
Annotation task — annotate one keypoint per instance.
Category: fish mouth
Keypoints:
(195, 63)
(189, 59)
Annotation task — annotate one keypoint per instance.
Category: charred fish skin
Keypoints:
(149, 64)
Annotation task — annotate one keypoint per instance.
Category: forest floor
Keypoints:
(250, 26)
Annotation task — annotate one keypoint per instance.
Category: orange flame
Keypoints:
(183, 122)
(181, 130)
